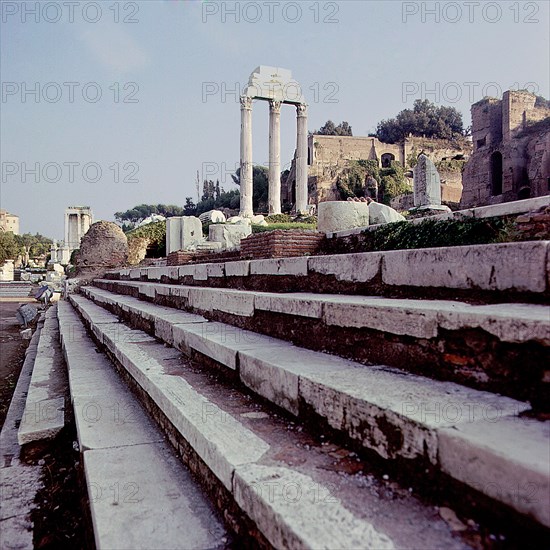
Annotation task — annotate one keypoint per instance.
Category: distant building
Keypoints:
(78, 220)
(511, 156)
(9, 222)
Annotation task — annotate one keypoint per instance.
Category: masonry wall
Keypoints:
(329, 156)
(515, 129)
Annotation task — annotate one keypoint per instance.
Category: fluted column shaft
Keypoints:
(274, 200)
(246, 158)
(301, 159)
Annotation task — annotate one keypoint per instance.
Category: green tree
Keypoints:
(260, 186)
(330, 129)
(392, 182)
(9, 248)
(424, 119)
(190, 208)
(130, 218)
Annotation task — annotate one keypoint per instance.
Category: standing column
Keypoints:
(274, 199)
(246, 157)
(301, 159)
(66, 241)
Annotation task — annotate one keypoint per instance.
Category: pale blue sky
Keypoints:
(355, 66)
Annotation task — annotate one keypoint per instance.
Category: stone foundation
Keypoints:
(282, 244)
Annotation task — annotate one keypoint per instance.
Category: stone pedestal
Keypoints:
(229, 235)
(427, 184)
(183, 232)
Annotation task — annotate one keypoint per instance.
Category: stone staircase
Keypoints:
(316, 402)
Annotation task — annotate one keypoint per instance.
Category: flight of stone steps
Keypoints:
(14, 289)
(270, 358)
(317, 402)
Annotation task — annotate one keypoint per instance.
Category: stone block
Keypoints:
(229, 235)
(237, 269)
(342, 215)
(380, 213)
(360, 268)
(407, 317)
(519, 266)
(303, 304)
(142, 497)
(282, 266)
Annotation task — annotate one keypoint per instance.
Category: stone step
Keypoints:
(285, 484)
(485, 347)
(44, 414)
(520, 268)
(397, 416)
(140, 494)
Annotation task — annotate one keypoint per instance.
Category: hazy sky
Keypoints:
(120, 103)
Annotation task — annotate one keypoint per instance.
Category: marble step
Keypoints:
(510, 322)
(520, 267)
(485, 347)
(286, 485)
(475, 437)
(140, 494)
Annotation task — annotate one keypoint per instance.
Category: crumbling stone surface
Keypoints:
(535, 225)
(137, 249)
(104, 246)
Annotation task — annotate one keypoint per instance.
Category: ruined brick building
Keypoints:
(329, 156)
(511, 156)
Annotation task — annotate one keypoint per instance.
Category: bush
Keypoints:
(156, 233)
(278, 218)
(436, 233)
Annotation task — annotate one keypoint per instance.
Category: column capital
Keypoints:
(246, 102)
(275, 106)
(301, 109)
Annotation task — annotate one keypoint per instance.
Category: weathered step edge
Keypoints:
(500, 348)
(392, 413)
(521, 267)
(44, 414)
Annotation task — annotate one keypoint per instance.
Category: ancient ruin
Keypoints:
(427, 185)
(511, 157)
(78, 220)
(329, 156)
(103, 246)
(275, 85)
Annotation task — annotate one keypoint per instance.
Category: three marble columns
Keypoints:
(274, 199)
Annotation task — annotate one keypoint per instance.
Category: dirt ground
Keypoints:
(12, 351)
